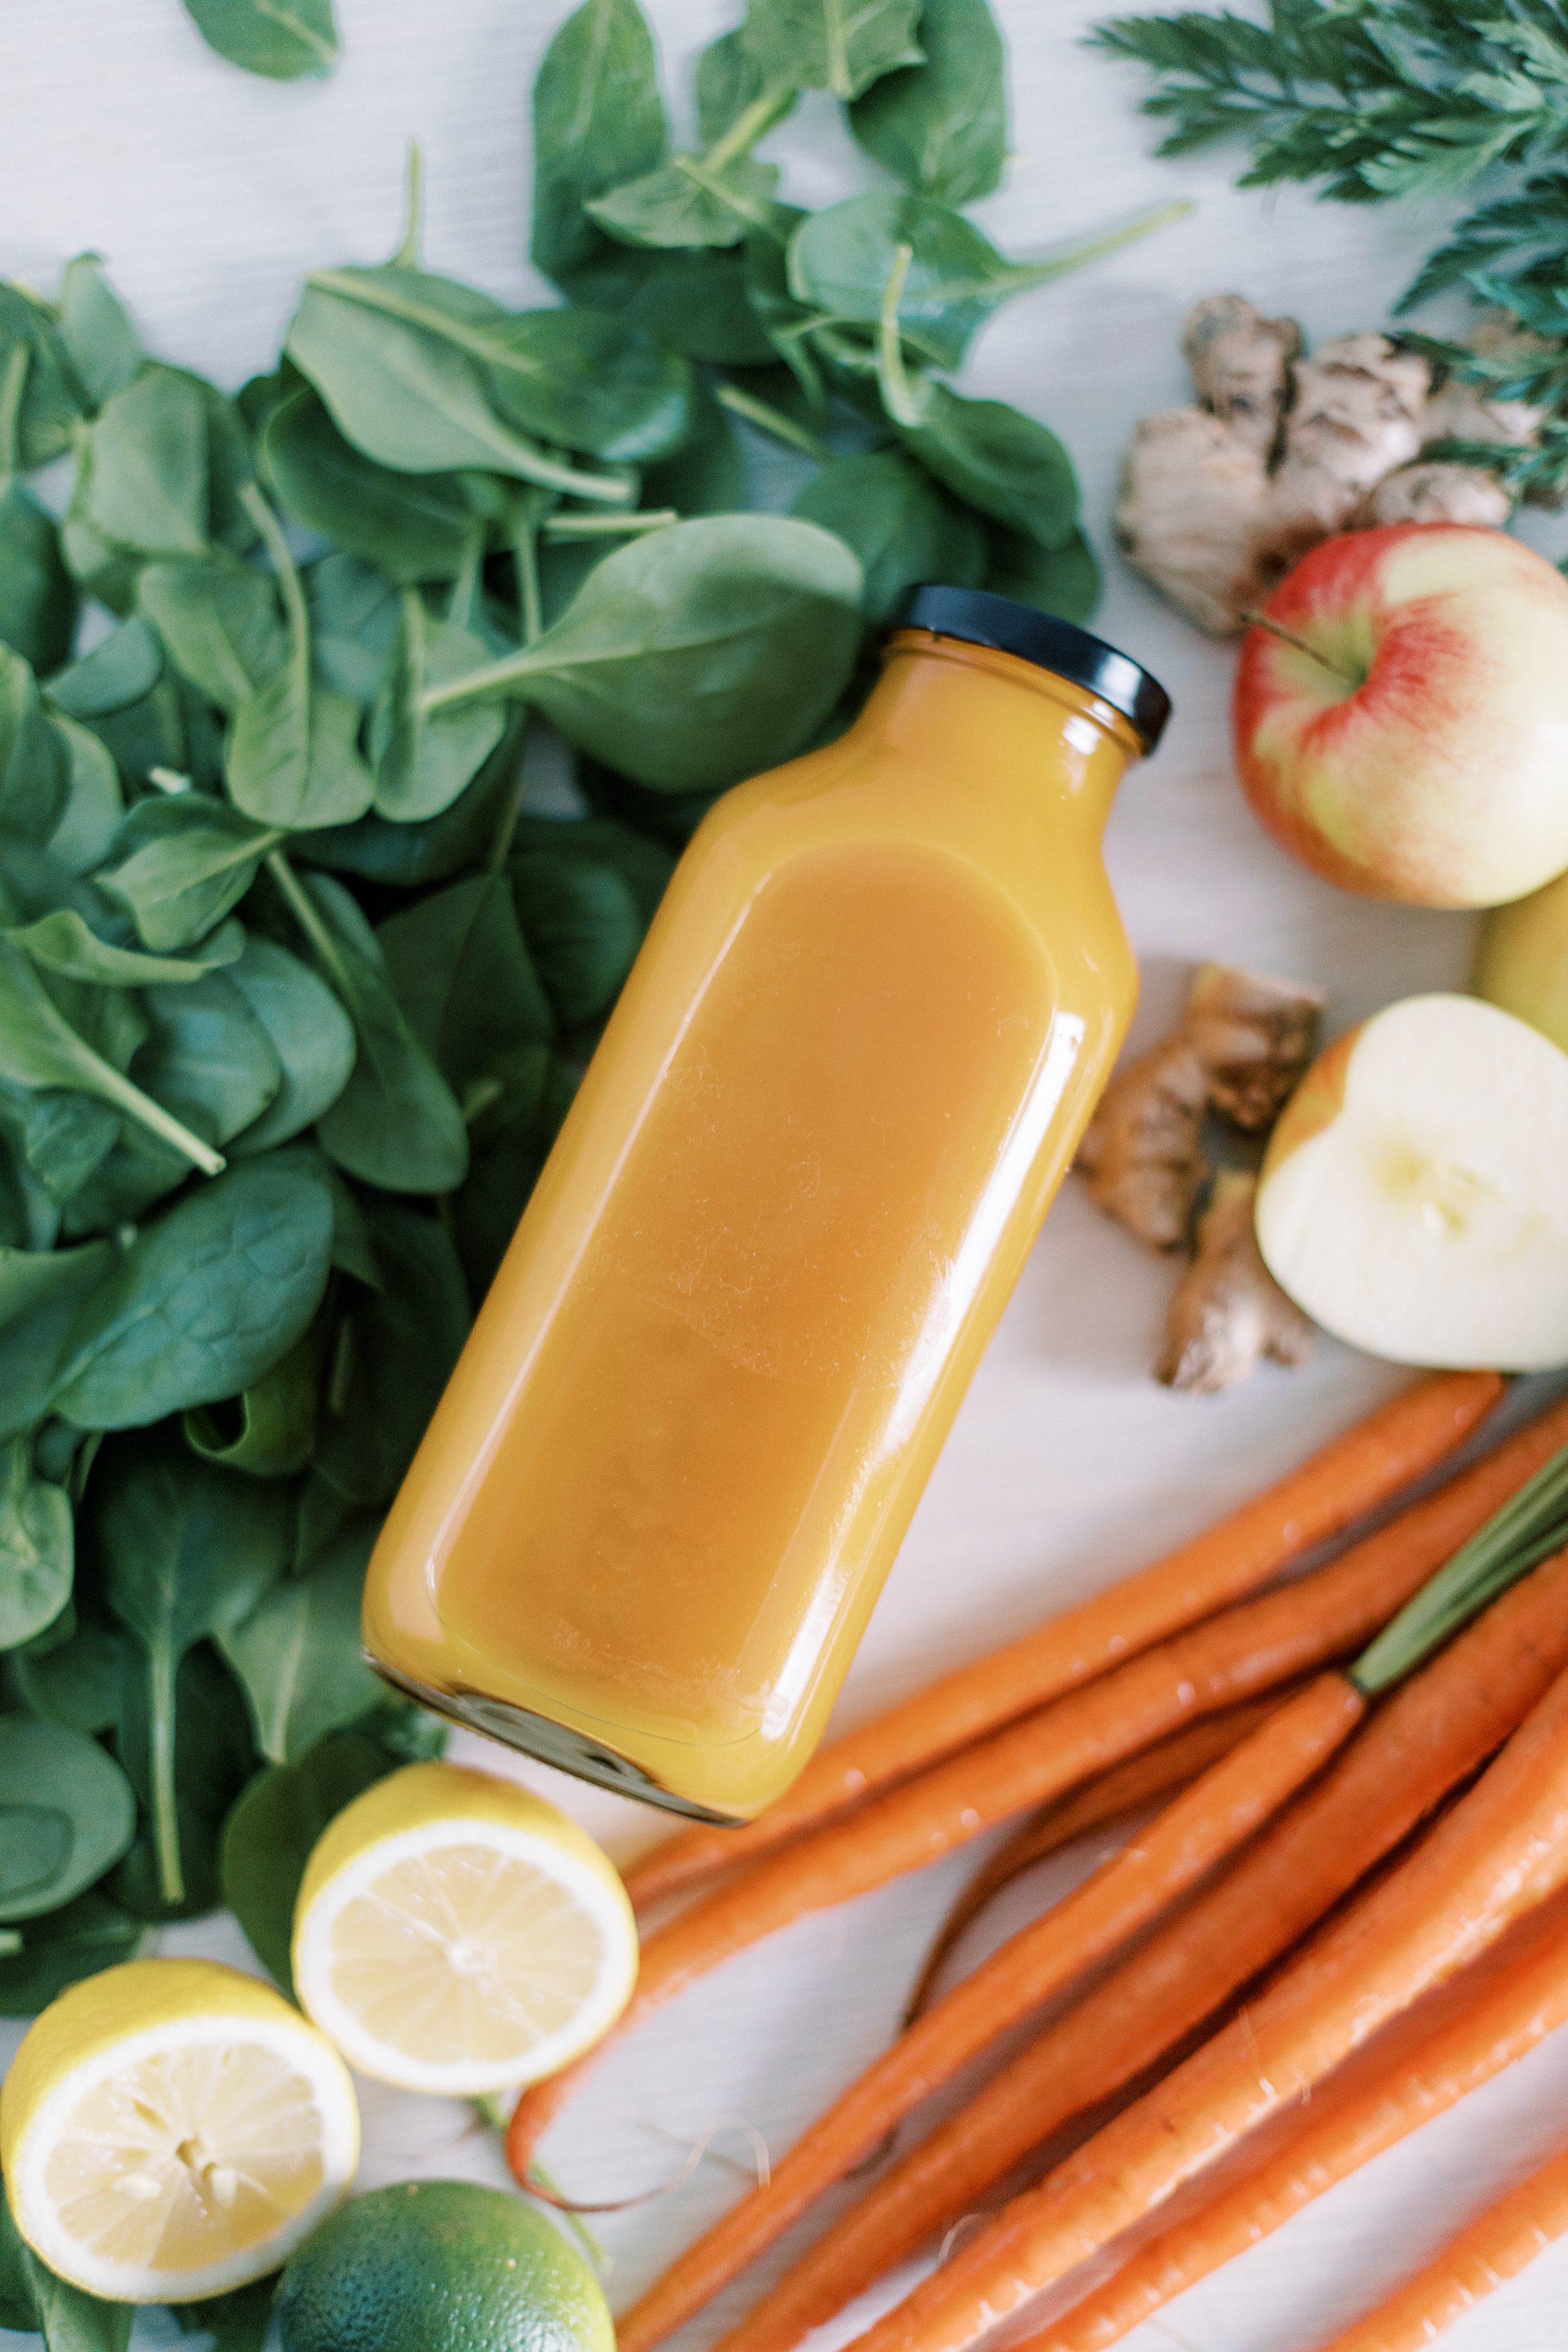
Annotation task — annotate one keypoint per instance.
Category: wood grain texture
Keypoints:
(209, 193)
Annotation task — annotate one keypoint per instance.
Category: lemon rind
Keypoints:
(117, 2282)
(384, 2061)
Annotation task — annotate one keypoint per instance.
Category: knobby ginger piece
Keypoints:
(1192, 517)
(1435, 491)
(1357, 414)
(1228, 1312)
(1244, 1041)
(1240, 364)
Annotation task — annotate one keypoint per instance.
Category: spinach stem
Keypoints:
(165, 1811)
(771, 420)
(898, 393)
(1025, 274)
(501, 847)
(276, 546)
(525, 553)
(13, 381)
(465, 587)
(756, 211)
(748, 126)
(408, 254)
(303, 909)
(152, 1114)
(561, 527)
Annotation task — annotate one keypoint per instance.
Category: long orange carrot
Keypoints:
(1333, 2137)
(1155, 1776)
(1498, 2246)
(1231, 1657)
(1353, 1475)
(1503, 1848)
(1429, 1735)
(1214, 1817)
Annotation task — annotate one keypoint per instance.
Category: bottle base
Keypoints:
(549, 1743)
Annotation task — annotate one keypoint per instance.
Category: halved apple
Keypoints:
(1414, 1200)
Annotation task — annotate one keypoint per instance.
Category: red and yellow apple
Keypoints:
(1412, 742)
(1412, 1198)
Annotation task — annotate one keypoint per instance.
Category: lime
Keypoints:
(441, 2263)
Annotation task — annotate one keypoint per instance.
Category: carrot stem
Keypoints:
(1353, 1474)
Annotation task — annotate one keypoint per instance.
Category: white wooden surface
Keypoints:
(208, 192)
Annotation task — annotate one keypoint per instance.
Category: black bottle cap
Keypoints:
(1009, 627)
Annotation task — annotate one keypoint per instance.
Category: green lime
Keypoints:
(441, 2263)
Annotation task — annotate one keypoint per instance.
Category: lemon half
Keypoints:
(171, 2130)
(456, 1933)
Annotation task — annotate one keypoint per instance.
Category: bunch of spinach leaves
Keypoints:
(295, 979)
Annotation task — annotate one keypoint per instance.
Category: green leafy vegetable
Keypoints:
(66, 1815)
(268, 1838)
(598, 121)
(103, 347)
(941, 127)
(414, 526)
(287, 40)
(901, 526)
(837, 45)
(178, 866)
(38, 1548)
(89, 1934)
(298, 1656)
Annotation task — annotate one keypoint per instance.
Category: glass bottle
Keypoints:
(648, 1524)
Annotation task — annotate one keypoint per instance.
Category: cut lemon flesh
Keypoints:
(171, 2129)
(456, 1933)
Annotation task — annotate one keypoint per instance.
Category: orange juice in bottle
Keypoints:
(649, 1519)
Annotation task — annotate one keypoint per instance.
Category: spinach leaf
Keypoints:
(94, 801)
(396, 1123)
(598, 119)
(941, 127)
(694, 656)
(643, 865)
(37, 594)
(61, 942)
(211, 1757)
(1063, 580)
(709, 476)
(697, 303)
(425, 374)
(62, 1138)
(220, 624)
(17, 2307)
(841, 259)
(287, 41)
(207, 1059)
(355, 612)
(424, 758)
(203, 1301)
(32, 351)
(732, 86)
(268, 1838)
(459, 970)
(61, 1948)
(392, 1355)
(103, 347)
(34, 763)
(185, 1551)
(177, 864)
(235, 2322)
(41, 1292)
(119, 672)
(32, 2297)
(511, 1141)
(66, 1815)
(414, 526)
(837, 45)
(37, 1548)
(297, 1655)
(998, 460)
(312, 1037)
(161, 473)
(292, 754)
(687, 201)
(583, 928)
(77, 1682)
(902, 528)
(270, 1430)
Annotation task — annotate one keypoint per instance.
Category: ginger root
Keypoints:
(1228, 1312)
(1218, 500)
(1243, 1042)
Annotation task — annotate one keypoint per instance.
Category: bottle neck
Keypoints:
(943, 702)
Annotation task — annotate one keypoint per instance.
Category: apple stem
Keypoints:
(1287, 637)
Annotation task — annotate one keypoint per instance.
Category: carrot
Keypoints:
(1232, 1657)
(1503, 1848)
(1226, 1806)
(1160, 1772)
(1331, 2141)
(1349, 1476)
(1426, 1738)
(1498, 2246)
